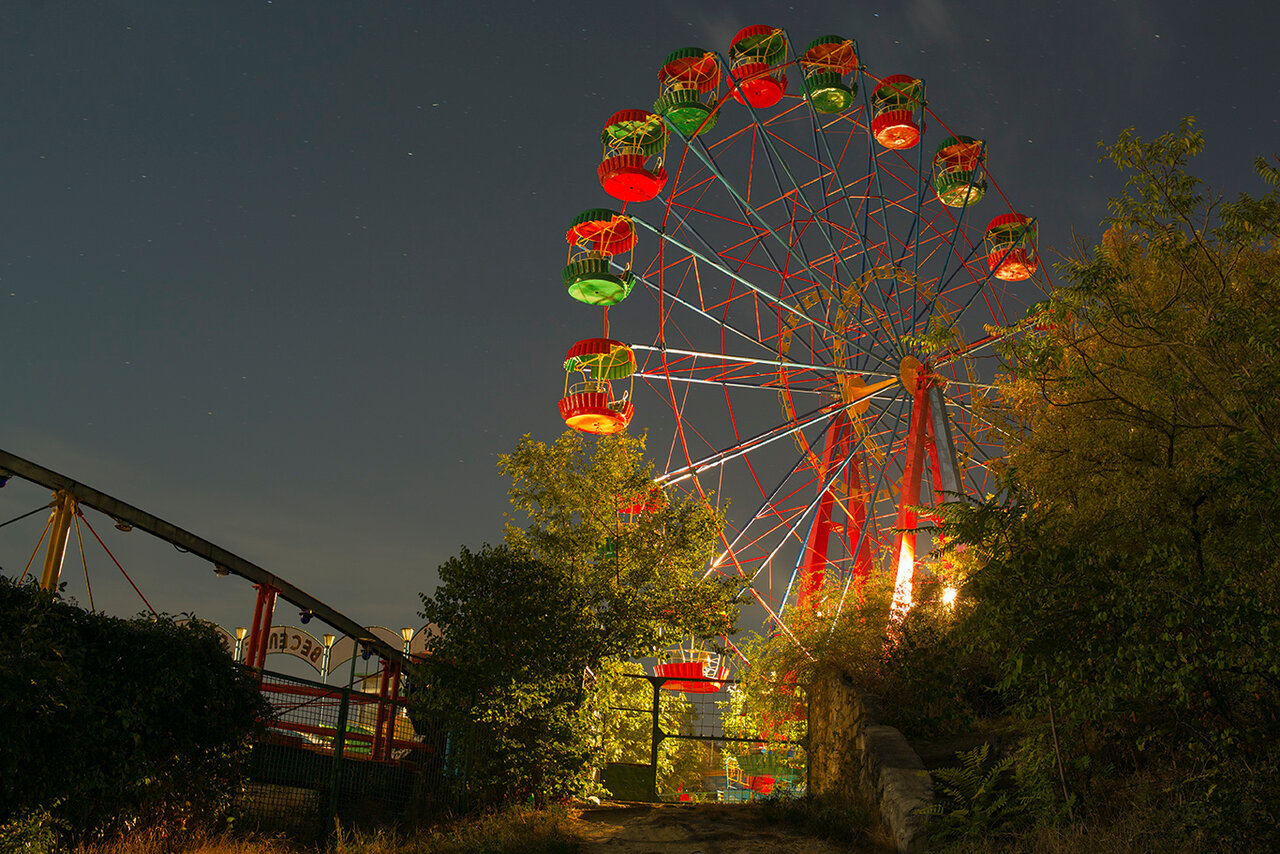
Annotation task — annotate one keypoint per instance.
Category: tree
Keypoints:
(1153, 388)
(644, 574)
(508, 669)
(526, 625)
(1132, 586)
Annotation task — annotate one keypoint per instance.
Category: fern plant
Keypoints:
(980, 800)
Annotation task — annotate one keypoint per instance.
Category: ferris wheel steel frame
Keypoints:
(818, 272)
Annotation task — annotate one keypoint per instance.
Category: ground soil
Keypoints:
(693, 829)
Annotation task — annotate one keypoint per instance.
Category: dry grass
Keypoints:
(515, 831)
(224, 843)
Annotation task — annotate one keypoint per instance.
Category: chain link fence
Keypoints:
(336, 753)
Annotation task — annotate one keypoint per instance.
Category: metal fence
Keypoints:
(674, 740)
(340, 753)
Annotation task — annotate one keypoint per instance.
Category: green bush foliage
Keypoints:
(931, 680)
(509, 667)
(113, 725)
(1126, 593)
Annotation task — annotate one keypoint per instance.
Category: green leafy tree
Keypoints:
(508, 670)
(1151, 395)
(921, 668)
(525, 626)
(642, 571)
(1130, 593)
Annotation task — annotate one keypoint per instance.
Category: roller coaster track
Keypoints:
(221, 559)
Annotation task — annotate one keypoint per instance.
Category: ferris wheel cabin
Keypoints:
(595, 237)
(1011, 247)
(592, 404)
(826, 62)
(894, 105)
(631, 167)
(754, 53)
(689, 78)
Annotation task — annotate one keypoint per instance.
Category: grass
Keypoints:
(513, 831)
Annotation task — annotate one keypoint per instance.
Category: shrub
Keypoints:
(122, 724)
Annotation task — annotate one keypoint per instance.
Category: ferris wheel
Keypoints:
(825, 296)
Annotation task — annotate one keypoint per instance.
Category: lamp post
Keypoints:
(241, 631)
(407, 634)
(324, 662)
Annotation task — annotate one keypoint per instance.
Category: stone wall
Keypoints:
(854, 757)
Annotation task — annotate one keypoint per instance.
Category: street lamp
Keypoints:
(407, 634)
(241, 631)
(324, 662)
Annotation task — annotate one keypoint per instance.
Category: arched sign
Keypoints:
(291, 640)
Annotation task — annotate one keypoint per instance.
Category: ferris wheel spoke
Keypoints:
(721, 383)
(784, 518)
(765, 507)
(976, 447)
(804, 251)
(826, 487)
(946, 289)
(973, 348)
(825, 232)
(863, 239)
(794, 249)
(748, 210)
(983, 289)
(718, 321)
(956, 232)
(714, 260)
(755, 442)
(822, 368)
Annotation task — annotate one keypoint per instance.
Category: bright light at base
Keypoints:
(948, 596)
(902, 584)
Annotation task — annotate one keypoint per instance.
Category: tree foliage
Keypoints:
(507, 672)
(643, 572)
(115, 726)
(527, 625)
(1152, 397)
(1131, 588)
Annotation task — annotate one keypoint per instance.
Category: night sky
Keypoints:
(286, 274)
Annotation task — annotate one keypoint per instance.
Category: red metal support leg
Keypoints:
(813, 567)
(380, 721)
(857, 538)
(251, 645)
(264, 628)
(394, 712)
(909, 497)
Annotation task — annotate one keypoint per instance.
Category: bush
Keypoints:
(117, 725)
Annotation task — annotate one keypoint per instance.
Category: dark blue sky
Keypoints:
(287, 273)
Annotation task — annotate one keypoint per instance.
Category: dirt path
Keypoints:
(691, 829)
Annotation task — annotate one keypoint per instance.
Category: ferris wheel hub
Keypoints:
(909, 372)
